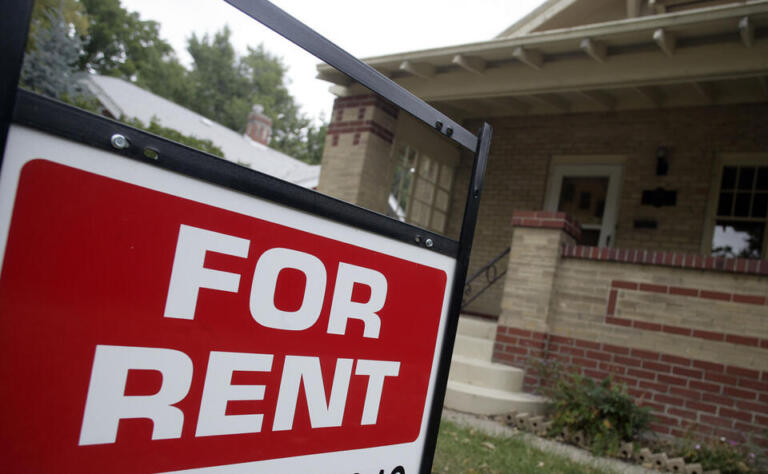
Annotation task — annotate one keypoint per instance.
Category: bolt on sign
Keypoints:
(173, 312)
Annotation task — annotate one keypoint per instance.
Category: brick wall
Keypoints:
(710, 398)
(357, 167)
(687, 335)
(523, 147)
(357, 149)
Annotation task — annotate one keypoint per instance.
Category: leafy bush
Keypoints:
(604, 411)
(728, 456)
(172, 134)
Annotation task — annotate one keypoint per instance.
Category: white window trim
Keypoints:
(614, 172)
(723, 160)
(442, 163)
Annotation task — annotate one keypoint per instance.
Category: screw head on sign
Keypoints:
(429, 243)
(119, 141)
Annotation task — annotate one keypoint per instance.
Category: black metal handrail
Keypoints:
(492, 275)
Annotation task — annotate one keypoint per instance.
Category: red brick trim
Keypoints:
(668, 259)
(363, 101)
(358, 126)
(616, 285)
(547, 220)
(713, 399)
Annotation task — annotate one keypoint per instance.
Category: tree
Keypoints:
(225, 87)
(315, 140)
(49, 65)
(221, 85)
(173, 134)
(72, 11)
(220, 90)
(119, 43)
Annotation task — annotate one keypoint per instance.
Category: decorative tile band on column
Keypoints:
(669, 259)
(364, 101)
(547, 220)
(710, 398)
(360, 104)
(610, 311)
(357, 126)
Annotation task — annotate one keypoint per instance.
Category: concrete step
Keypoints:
(473, 347)
(477, 327)
(486, 401)
(486, 374)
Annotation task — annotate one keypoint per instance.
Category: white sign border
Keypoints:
(25, 144)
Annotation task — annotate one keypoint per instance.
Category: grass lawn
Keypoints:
(465, 450)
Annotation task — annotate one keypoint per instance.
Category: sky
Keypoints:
(363, 27)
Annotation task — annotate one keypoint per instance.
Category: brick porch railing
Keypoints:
(687, 334)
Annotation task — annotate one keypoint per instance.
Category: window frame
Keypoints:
(442, 165)
(723, 160)
(611, 167)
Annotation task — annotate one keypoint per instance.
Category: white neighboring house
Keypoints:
(121, 98)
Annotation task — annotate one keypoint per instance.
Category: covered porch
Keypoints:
(623, 221)
(626, 125)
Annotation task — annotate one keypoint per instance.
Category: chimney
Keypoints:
(259, 126)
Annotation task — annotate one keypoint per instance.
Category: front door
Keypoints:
(589, 193)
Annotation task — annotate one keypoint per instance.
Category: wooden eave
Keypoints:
(595, 65)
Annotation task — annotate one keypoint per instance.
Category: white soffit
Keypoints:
(704, 24)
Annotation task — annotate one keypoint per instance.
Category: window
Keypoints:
(741, 212)
(421, 189)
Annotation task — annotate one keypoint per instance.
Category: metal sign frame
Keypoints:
(25, 108)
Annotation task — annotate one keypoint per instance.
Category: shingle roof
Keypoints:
(122, 98)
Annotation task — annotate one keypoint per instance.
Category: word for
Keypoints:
(189, 275)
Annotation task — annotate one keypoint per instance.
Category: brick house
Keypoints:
(626, 197)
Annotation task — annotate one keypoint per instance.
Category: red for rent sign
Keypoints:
(152, 323)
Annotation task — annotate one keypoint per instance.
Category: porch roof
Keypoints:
(710, 55)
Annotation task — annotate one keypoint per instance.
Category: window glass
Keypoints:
(762, 178)
(760, 205)
(428, 169)
(421, 189)
(742, 209)
(441, 200)
(419, 214)
(584, 198)
(446, 176)
(738, 239)
(725, 204)
(729, 178)
(590, 237)
(402, 183)
(438, 219)
(424, 190)
(746, 177)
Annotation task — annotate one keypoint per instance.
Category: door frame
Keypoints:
(613, 172)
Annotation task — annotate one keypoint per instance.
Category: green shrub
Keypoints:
(174, 135)
(728, 456)
(604, 411)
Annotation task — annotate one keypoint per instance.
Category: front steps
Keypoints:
(477, 385)
(487, 401)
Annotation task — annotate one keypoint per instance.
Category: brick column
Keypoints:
(357, 165)
(537, 243)
(534, 256)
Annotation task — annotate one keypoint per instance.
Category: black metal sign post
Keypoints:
(36, 112)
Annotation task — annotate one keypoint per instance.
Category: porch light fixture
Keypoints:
(662, 164)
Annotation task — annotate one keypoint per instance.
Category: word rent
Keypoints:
(106, 401)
